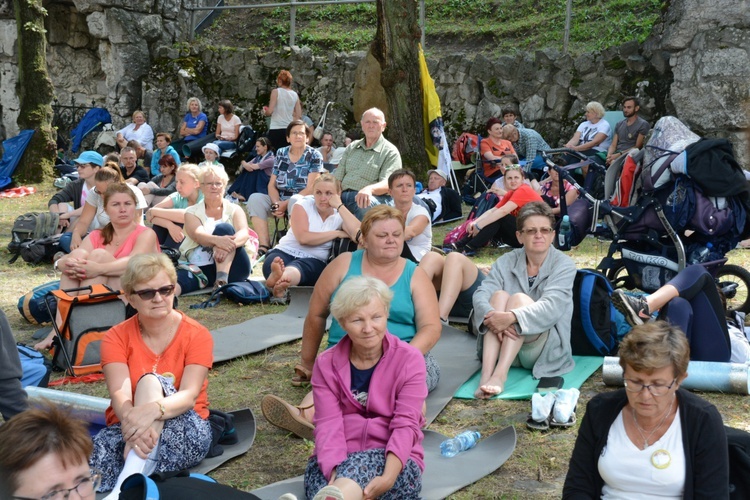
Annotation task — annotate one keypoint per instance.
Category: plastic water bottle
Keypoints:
(700, 254)
(564, 236)
(464, 441)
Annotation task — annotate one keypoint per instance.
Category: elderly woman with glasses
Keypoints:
(44, 454)
(156, 369)
(499, 222)
(653, 438)
(215, 236)
(523, 308)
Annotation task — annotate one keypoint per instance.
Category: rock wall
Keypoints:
(695, 65)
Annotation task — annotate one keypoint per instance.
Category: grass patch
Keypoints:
(491, 27)
(535, 471)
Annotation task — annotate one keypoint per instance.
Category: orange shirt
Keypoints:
(489, 146)
(191, 345)
(520, 197)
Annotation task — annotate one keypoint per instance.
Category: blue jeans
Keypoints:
(226, 145)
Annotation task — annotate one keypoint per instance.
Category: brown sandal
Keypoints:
(281, 414)
(302, 376)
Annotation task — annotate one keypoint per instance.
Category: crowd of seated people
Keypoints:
(388, 300)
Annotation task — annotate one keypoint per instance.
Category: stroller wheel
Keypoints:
(734, 282)
(618, 276)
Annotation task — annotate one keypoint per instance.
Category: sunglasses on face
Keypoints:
(533, 230)
(515, 166)
(150, 293)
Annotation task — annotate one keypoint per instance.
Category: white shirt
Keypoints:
(289, 244)
(144, 135)
(283, 112)
(437, 198)
(589, 130)
(421, 243)
(629, 473)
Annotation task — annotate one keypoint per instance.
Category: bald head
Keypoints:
(373, 125)
(510, 133)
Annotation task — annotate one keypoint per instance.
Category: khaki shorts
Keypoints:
(530, 352)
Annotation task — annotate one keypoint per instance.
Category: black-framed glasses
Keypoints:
(83, 165)
(533, 230)
(654, 389)
(85, 489)
(150, 293)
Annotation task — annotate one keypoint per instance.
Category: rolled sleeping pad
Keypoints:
(194, 147)
(88, 408)
(710, 376)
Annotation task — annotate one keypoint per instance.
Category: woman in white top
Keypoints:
(93, 216)
(227, 126)
(283, 107)
(139, 131)
(651, 439)
(302, 253)
(592, 136)
(402, 186)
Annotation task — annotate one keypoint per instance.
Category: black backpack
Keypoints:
(183, 485)
(246, 140)
(39, 250)
(31, 226)
(592, 330)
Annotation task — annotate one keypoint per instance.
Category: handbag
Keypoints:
(318, 132)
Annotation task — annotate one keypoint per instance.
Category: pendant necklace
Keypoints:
(640, 431)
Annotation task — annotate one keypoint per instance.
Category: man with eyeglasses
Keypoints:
(366, 165)
(44, 455)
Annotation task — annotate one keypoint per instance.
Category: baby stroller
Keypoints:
(670, 219)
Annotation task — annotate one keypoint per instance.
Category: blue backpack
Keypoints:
(594, 327)
(33, 305)
(243, 292)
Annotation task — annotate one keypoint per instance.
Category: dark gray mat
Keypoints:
(258, 334)
(244, 423)
(442, 476)
(456, 354)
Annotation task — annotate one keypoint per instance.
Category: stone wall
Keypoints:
(695, 65)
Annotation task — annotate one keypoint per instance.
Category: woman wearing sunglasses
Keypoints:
(156, 369)
(44, 454)
(523, 308)
(499, 222)
(652, 438)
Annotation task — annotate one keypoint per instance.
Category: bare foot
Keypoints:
(277, 270)
(489, 388)
(281, 286)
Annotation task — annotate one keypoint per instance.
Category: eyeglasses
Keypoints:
(298, 134)
(85, 489)
(83, 165)
(533, 230)
(515, 166)
(654, 389)
(150, 293)
(212, 184)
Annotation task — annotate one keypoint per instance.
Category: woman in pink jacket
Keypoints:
(369, 391)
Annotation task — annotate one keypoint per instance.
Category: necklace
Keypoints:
(630, 130)
(640, 431)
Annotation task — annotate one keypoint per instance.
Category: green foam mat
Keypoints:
(521, 385)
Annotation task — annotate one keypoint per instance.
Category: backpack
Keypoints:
(32, 305)
(457, 233)
(481, 205)
(246, 140)
(36, 368)
(40, 250)
(242, 292)
(593, 331)
(31, 226)
(184, 485)
(464, 147)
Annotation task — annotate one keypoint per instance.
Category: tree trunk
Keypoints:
(396, 48)
(35, 91)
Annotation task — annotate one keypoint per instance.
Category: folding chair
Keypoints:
(85, 320)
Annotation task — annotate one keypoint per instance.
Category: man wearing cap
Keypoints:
(132, 173)
(446, 201)
(629, 133)
(68, 202)
(365, 166)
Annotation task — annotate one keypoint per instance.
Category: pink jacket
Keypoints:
(393, 417)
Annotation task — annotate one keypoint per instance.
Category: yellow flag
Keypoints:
(436, 144)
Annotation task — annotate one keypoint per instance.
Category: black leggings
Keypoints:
(699, 313)
(502, 230)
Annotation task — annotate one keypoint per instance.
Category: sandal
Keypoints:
(262, 250)
(537, 425)
(302, 376)
(281, 414)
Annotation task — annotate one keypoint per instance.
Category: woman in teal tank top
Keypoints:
(413, 316)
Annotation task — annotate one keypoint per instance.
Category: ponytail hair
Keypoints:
(109, 173)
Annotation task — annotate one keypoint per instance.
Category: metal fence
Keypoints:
(65, 117)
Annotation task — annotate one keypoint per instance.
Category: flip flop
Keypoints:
(279, 414)
(302, 376)
(536, 425)
(570, 423)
